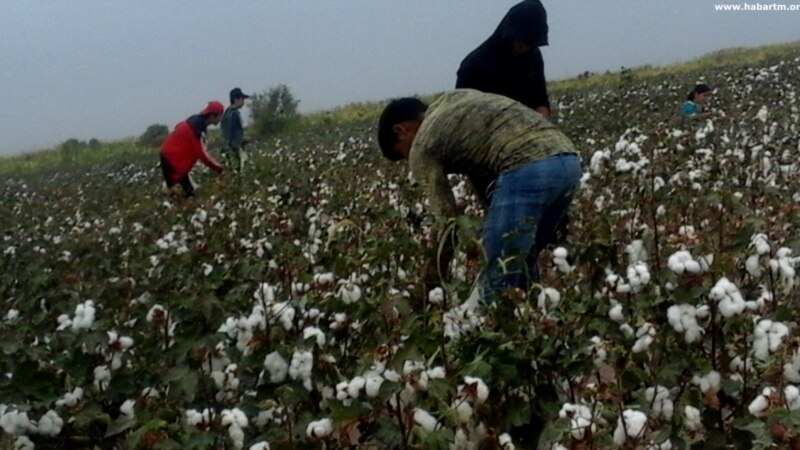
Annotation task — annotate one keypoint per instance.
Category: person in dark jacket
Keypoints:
(186, 144)
(233, 131)
(509, 63)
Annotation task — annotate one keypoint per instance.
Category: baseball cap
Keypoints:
(213, 107)
(237, 93)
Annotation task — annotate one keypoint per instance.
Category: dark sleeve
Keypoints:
(464, 79)
(470, 76)
(536, 86)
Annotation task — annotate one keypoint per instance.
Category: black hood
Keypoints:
(526, 21)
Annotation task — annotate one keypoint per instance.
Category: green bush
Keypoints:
(273, 110)
(154, 136)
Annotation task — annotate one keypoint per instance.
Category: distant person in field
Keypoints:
(693, 106)
(509, 62)
(186, 144)
(523, 169)
(233, 131)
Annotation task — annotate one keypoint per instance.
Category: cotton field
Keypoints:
(287, 308)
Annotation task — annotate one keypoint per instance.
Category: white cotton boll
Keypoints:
(761, 244)
(102, 375)
(463, 410)
(791, 370)
(341, 391)
(50, 423)
(349, 293)
(692, 266)
(436, 373)
(709, 382)
(237, 436)
(634, 424)
(15, 422)
(627, 330)
(753, 266)
(792, 395)
(692, 419)
(505, 442)
(12, 314)
(373, 385)
(645, 335)
(70, 398)
(324, 278)
(207, 269)
(23, 443)
(548, 299)
(760, 404)
(265, 293)
(126, 409)
(64, 322)
(674, 314)
(240, 418)
(391, 376)
(301, 365)
(636, 252)
(316, 333)
(481, 392)
(706, 262)
(84, 316)
(355, 386)
(425, 420)
(411, 365)
(660, 401)
(560, 252)
(616, 314)
(762, 114)
(579, 426)
(436, 296)
(263, 445)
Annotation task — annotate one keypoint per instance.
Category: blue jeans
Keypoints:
(526, 206)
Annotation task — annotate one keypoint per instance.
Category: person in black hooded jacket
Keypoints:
(509, 63)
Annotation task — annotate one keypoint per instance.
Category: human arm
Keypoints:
(430, 173)
(206, 158)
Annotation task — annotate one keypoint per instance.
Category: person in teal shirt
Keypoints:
(693, 106)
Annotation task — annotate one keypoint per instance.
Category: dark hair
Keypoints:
(699, 89)
(397, 111)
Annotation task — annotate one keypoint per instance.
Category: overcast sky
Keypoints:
(107, 69)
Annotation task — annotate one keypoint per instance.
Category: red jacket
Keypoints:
(183, 148)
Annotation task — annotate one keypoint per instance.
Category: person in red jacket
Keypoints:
(186, 144)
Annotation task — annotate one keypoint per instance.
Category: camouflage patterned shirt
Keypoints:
(481, 136)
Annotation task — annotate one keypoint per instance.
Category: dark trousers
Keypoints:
(169, 172)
